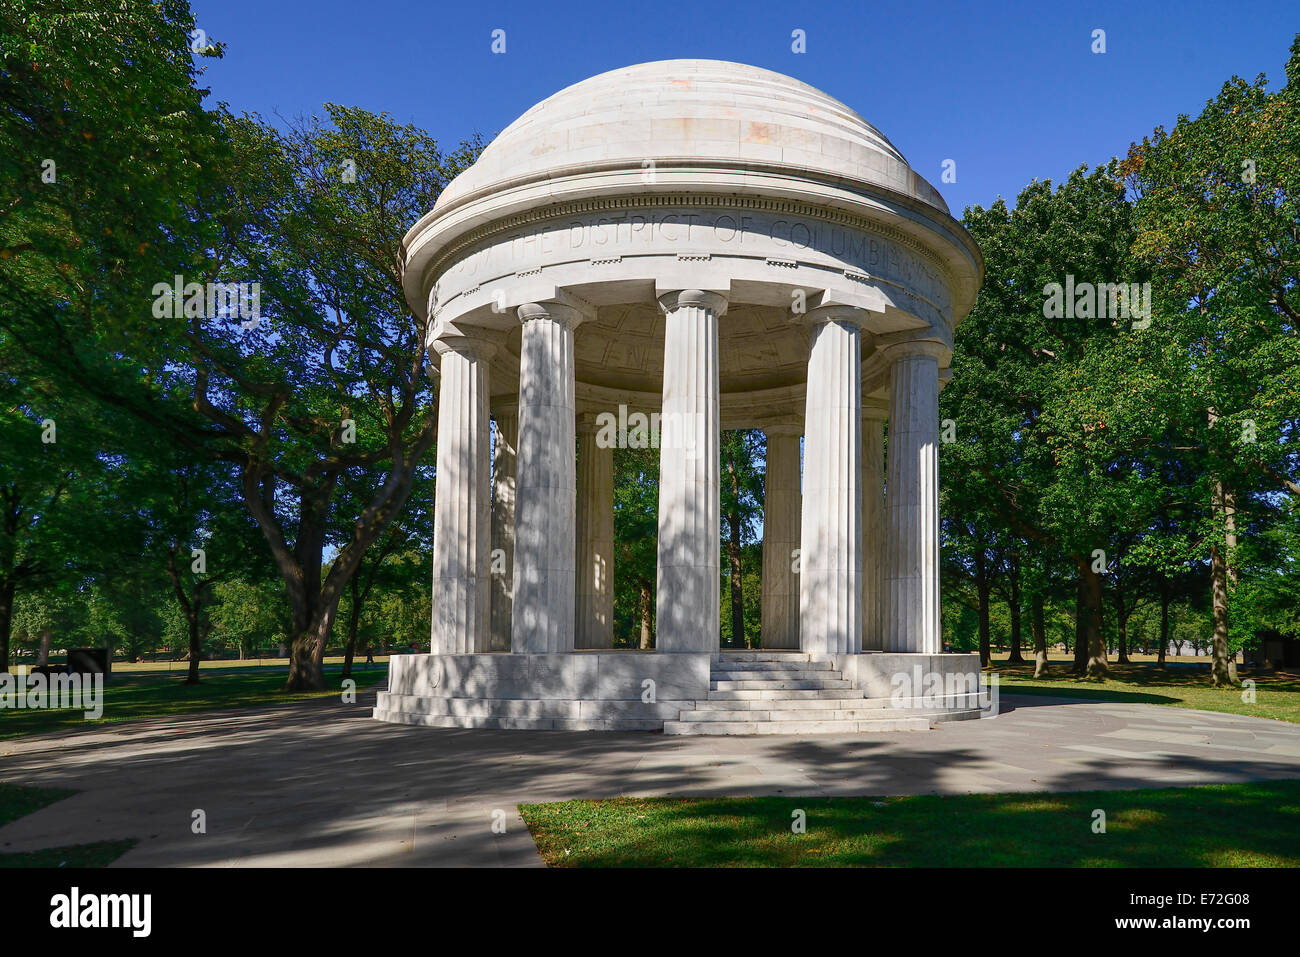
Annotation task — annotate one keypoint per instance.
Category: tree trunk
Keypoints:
(647, 605)
(1220, 573)
(1219, 675)
(982, 589)
(1095, 642)
(1089, 643)
(307, 652)
(1121, 627)
(354, 617)
(1015, 658)
(313, 610)
(1164, 620)
(1038, 626)
(737, 588)
(192, 610)
(43, 655)
(6, 622)
(1230, 566)
(196, 645)
(1080, 627)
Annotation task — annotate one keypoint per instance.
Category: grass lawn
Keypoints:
(1233, 825)
(166, 666)
(17, 801)
(1276, 696)
(131, 696)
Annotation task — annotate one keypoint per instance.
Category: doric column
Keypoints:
(687, 594)
(830, 579)
(595, 614)
(542, 616)
(912, 505)
(781, 507)
(505, 418)
(461, 524)
(873, 530)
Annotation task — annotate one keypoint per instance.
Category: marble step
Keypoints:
(777, 711)
(777, 667)
(780, 701)
(530, 709)
(781, 684)
(504, 723)
(851, 726)
(767, 693)
(782, 656)
(793, 674)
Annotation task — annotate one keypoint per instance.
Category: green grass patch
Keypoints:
(129, 697)
(99, 854)
(1233, 825)
(180, 666)
(17, 801)
(1276, 696)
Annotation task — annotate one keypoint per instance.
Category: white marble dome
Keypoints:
(700, 142)
(672, 112)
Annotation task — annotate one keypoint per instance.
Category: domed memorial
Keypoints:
(651, 256)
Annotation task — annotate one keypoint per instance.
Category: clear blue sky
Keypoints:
(1009, 91)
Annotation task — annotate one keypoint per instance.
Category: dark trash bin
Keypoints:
(89, 661)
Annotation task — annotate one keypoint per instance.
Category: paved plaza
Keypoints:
(320, 783)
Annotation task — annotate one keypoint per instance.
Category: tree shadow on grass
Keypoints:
(1175, 827)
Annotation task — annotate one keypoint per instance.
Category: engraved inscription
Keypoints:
(785, 239)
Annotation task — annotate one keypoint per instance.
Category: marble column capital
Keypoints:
(678, 298)
(469, 341)
(913, 349)
(783, 428)
(854, 315)
(571, 312)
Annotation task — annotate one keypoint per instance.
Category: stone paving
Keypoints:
(321, 783)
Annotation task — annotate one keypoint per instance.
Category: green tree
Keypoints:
(1031, 458)
(53, 517)
(327, 378)
(1217, 203)
(248, 615)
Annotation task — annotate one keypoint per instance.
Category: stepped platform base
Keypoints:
(763, 692)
